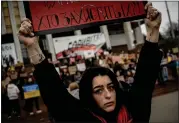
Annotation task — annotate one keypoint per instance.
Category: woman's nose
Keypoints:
(107, 94)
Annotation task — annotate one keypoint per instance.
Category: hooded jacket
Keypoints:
(134, 106)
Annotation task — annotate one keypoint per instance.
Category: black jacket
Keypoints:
(66, 108)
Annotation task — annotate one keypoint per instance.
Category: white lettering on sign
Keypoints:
(78, 44)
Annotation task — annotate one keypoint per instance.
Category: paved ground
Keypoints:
(165, 108)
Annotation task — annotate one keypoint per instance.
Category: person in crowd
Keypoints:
(6, 63)
(13, 95)
(88, 63)
(122, 84)
(129, 78)
(132, 69)
(117, 67)
(11, 60)
(101, 99)
(50, 117)
(73, 89)
(67, 79)
(102, 60)
(95, 63)
(29, 103)
(77, 76)
(4, 82)
(109, 62)
(119, 76)
(22, 78)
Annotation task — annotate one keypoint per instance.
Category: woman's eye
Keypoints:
(99, 91)
(111, 88)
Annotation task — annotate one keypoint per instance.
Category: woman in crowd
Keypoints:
(101, 99)
(117, 67)
(122, 83)
(120, 77)
(13, 95)
(22, 78)
(129, 78)
(29, 103)
(68, 79)
(4, 82)
(77, 76)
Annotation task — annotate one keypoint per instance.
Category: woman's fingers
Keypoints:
(23, 30)
(152, 13)
(26, 27)
(154, 22)
(147, 5)
(26, 23)
(26, 19)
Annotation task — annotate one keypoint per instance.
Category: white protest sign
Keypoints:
(81, 67)
(67, 46)
(89, 54)
(8, 54)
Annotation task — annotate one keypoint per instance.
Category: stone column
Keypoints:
(51, 47)
(15, 31)
(129, 35)
(104, 30)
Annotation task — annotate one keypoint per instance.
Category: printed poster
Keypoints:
(72, 70)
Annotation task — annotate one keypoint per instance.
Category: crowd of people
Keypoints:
(124, 68)
(14, 78)
(124, 71)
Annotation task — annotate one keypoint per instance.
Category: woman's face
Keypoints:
(104, 93)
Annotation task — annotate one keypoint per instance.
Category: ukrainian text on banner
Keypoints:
(77, 45)
(31, 91)
(63, 15)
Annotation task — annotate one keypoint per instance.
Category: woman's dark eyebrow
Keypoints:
(110, 84)
(99, 86)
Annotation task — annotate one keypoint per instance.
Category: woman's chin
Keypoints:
(110, 109)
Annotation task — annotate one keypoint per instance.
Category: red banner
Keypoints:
(48, 15)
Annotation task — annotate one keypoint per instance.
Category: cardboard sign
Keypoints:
(31, 91)
(89, 54)
(72, 70)
(175, 50)
(51, 15)
(81, 67)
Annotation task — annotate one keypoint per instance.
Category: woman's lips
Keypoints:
(108, 104)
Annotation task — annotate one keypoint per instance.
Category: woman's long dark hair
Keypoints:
(85, 93)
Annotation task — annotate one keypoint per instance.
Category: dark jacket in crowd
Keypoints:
(65, 108)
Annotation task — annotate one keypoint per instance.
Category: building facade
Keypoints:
(116, 34)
